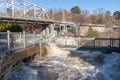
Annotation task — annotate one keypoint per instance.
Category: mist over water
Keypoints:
(69, 65)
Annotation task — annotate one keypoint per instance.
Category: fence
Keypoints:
(72, 43)
(10, 41)
(100, 42)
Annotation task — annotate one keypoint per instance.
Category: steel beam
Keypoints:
(23, 9)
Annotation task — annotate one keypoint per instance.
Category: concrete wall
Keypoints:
(7, 62)
(83, 30)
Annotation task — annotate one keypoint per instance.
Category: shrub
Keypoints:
(91, 33)
(11, 27)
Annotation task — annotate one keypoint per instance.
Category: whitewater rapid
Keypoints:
(70, 65)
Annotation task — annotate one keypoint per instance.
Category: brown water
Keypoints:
(70, 65)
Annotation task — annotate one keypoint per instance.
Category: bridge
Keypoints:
(25, 12)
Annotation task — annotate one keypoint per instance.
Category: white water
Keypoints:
(75, 65)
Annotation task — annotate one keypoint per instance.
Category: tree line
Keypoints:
(77, 15)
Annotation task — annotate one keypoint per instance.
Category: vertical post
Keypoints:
(47, 15)
(60, 29)
(110, 43)
(63, 15)
(33, 37)
(66, 29)
(20, 38)
(78, 42)
(47, 32)
(24, 43)
(43, 14)
(8, 40)
(13, 11)
(34, 11)
(119, 42)
(94, 43)
(24, 11)
(40, 49)
(65, 43)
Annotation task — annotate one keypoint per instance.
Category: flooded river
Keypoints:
(69, 65)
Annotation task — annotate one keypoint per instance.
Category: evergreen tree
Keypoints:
(116, 15)
(11, 27)
(75, 10)
(91, 33)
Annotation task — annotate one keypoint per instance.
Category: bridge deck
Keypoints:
(31, 20)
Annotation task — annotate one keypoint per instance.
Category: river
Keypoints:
(74, 65)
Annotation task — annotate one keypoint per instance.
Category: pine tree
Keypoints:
(91, 33)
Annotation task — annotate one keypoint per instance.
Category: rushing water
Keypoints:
(77, 65)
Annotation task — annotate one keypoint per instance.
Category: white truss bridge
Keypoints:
(23, 10)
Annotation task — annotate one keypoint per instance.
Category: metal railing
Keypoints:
(72, 43)
(11, 41)
(99, 42)
(22, 9)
